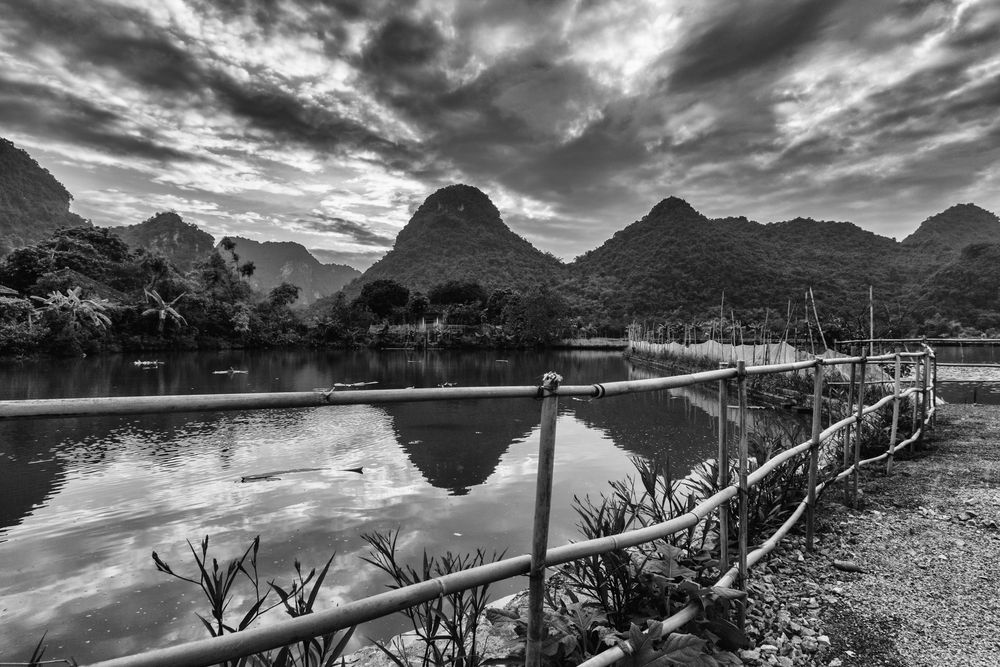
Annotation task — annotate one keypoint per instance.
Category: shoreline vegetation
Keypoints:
(84, 290)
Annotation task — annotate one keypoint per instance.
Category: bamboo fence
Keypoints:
(248, 642)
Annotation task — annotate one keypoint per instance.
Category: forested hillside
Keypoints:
(457, 234)
(32, 202)
(286, 262)
(183, 243)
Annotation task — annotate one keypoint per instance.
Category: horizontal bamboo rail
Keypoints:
(248, 642)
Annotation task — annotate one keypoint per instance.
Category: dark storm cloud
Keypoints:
(28, 107)
(291, 117)
(115, 37)
(749, 36)
(321, 222)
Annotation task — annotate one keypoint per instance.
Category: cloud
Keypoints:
(358, 233)
(580, 115)
(748, 36)
(61, 115)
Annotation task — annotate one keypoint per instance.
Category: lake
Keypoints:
(84, 501)
(970, 392)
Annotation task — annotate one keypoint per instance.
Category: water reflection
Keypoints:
(458, 444)
(85, 501)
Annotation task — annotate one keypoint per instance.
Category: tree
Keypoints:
(78, 313)
(95, 252)
(163, 310)
(417, 305)
(382, 296)
(498, 301)
(537, 316)
(283, 295)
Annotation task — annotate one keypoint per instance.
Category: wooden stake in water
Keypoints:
(543, 505)
(741, 370)
(894, 432)
(723, 459)
(817, 428)
(858, 425)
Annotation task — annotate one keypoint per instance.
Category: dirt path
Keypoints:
(928, 541)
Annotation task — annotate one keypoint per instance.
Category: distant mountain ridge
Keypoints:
(955, 228)
(33, 204)
(277, 262)
(674, 262)
(183, 243)
(458, 234)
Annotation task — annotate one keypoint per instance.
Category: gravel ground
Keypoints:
(927, 542)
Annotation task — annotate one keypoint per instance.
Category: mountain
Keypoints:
(457, 234)
(287, 262)
(183, 243)
(33, 204)
(966, 288)
(676, 260)
(955, 228)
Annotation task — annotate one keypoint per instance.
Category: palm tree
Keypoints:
(163, 309)
(75, 310)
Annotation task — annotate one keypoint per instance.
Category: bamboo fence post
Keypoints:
(817, 427)
(858, 432)
(893, 434)
(741, 374)
(915, 405)
(724, 469)
(926, 396)
(543, 505)
(846, 437)
(934, 387)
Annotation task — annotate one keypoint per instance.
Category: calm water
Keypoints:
(83, 502)
(970, 392)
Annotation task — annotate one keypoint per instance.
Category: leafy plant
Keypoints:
(447, 626)
(218, 583)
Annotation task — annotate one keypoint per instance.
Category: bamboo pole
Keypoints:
(723, 459)
(934, 386)
(741, 375)
(894, 433)
(846, 437)
(817, 427)
(925, 398)
(915, 405)
(871, 319)
(543, 507)
(859, 431)
(819, 327)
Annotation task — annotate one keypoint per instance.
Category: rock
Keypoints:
(847, 566)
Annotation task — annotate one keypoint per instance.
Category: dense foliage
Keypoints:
(32, 202)
(84, 290)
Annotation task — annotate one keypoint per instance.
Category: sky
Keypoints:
(328, 122)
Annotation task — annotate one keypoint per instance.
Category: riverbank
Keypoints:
(926, 540)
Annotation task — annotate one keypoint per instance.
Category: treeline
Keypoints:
(84, 290)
